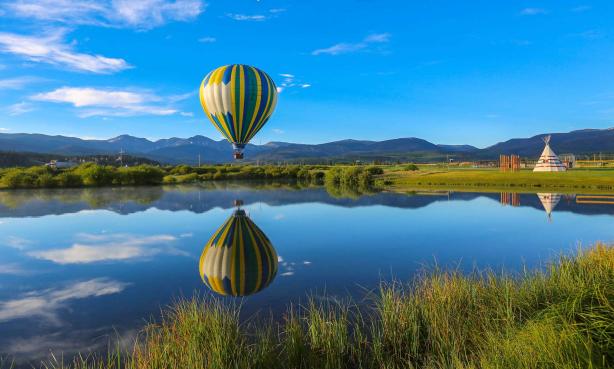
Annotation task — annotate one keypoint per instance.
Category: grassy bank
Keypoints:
(92, 175)
(485, 179)
(344, 178)
(559, 317)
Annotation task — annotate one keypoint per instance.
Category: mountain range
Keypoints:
(187, 150)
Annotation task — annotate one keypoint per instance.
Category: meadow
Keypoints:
(559, 316)
(594, 180)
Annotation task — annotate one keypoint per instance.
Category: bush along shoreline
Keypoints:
(92, 175)
(560, 316)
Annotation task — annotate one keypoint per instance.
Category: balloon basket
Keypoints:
(238, 155)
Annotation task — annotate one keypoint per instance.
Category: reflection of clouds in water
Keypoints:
(71, 342)
(45, 304)
(289, 267)
(279, 217)
(13, 269)
(16, 242)
(92, 248)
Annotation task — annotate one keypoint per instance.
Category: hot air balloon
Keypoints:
(238, 99)
(239, 259)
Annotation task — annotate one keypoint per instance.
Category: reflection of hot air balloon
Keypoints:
(238, 100)
(239, 259)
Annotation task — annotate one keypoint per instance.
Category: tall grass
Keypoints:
(558, 317)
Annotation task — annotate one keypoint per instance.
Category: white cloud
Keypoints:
(19, 108)
(4, 130)
(581, 8)
(140, 14)
(207, 39)
(287, 274)
(107, 102)
(46, 304)
(52, 49)
(245, 17)
(17, 83)
(377, 38)
(114, 247)
(346, 48)
(290, 81)
(533, 11)
(272, 13)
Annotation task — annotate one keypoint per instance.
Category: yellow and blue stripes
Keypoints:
(239, 259)
(238, 99)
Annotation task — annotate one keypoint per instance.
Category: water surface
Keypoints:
(78, 266)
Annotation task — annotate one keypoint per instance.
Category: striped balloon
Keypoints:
(239, 259)
(238, 99)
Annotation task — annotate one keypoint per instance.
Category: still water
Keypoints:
(78, 267)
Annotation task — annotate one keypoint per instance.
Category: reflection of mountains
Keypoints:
(199, 199)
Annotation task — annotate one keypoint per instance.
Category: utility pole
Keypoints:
(121, 157)
(199, 160)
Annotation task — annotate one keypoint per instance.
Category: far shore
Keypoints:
(396, 178)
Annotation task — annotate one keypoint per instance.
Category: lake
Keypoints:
(80, 266)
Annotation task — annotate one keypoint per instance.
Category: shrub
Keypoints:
(68, 179)
(18, 178)
(411, 167)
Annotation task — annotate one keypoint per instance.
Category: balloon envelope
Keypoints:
(239, 259)
(239, 100)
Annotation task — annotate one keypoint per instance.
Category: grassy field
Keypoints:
(559, 317)
(494, 180)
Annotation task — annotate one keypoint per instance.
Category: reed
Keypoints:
(560, 316)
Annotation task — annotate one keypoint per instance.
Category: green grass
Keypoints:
(561, 316)
(485, 179)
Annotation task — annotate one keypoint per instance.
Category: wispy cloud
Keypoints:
(533, 11)
(46, 304)
(92, 248)
(346, 48)
(109, 102)
(581, 8)
(207, 39)
(272, 13)
(19, 108)
(246, 17)
(290, 81)
(141, 14)
(17, 83)
(52, 49)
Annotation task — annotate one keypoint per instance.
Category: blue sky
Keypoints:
(451, 72)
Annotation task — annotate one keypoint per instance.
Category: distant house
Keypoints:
(61, 164)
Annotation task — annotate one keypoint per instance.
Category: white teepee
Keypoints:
(548, 161)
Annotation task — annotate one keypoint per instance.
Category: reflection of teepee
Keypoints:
(548, 161)
(549, 201)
